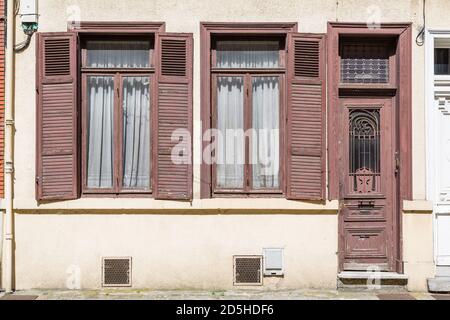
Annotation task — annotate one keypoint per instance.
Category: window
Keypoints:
(247, 82)
(365, 63)
(114, 115)
(117, 77)
(441, 61)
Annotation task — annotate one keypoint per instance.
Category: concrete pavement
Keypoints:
(121, 294)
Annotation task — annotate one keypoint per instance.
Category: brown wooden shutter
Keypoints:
(306, 117)
(174, 113)
(56, 85)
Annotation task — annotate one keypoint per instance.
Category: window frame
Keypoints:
(208, 30)
(248, 124)
(248, 74)
(118, 74)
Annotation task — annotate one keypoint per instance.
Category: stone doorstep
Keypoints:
(358, 280)
(367, 275)
(439, 284)
(442, 271)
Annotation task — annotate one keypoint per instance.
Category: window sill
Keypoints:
(250, 194)
(152, 206)
(111, 195)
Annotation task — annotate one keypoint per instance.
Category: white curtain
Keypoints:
(231, 147)
(100, 139)
(118, 54)
(247, 54)
(266, 134)
(136, 132)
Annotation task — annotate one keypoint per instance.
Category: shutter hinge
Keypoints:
(38, 180)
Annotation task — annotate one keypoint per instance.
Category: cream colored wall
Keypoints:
(195, 250)
(173, 252)
(418, 250)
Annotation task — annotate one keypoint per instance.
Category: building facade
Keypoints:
(205, 145)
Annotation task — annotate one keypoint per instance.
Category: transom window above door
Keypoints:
(117, 76)
(248, 104)
(369, 63)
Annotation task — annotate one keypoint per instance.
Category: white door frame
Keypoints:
(437, 194)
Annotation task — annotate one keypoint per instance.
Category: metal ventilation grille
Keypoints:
(116, 272)
(307, 58)
(57, 57)
(248, 270)
(173, 58)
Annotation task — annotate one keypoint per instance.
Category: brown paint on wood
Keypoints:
(207, 31)
(57, 123)
(306, 141)
(398, 92)
(174, 111)
(367, 208)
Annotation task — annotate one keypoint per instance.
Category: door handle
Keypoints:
(397, 163)
(366, 204)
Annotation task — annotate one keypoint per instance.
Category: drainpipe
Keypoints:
(8, 242)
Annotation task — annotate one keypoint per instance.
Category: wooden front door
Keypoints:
(368, 188)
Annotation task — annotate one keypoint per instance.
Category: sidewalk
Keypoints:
(220, 295)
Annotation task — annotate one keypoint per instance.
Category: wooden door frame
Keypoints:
(369, 103)
(402, 32)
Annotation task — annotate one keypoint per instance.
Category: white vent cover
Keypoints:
(116, 272)
(273, 261)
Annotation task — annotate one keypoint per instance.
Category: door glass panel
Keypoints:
(118, 54)
(266, 133)
(230, 125)
(136, 132)
(364, 149)
(100, 131)
(248, 54)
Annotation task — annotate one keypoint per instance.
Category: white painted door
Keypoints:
(442, 153)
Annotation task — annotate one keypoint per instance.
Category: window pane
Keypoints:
(266, 133)
(364, 63)
(230, 123)
(136, 132)
(118, 54)
(100, 135)
(248, 54)
(441, 62)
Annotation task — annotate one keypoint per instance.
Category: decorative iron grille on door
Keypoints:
(364, 148)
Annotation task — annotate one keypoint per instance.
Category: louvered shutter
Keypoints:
(306, 117)
(56, 86)
(173, 163)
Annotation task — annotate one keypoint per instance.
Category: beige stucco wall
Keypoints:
(173, 252)
(193, 246)
(418, 249)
